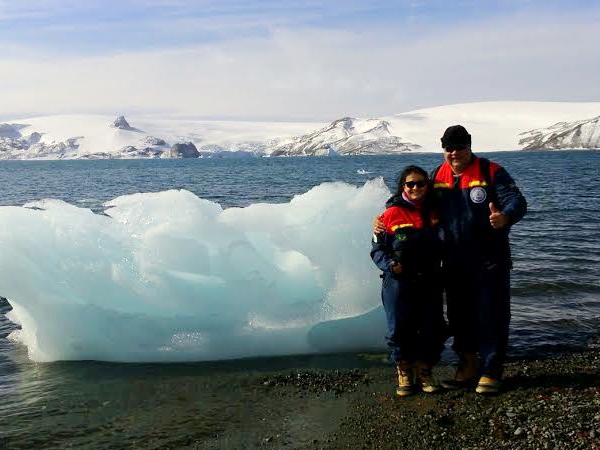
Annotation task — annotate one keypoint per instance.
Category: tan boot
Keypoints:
(466, 372)
(488, 386)
(405, 379)
(425, 377)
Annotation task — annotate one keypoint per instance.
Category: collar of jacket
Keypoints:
(397, 200)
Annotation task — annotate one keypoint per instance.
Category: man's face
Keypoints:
(458, 158)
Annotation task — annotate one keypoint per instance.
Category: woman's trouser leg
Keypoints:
(400, 312)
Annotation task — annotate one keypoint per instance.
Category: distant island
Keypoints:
(495, 126)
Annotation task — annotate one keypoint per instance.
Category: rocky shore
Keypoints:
(545, 404)
(312, 402)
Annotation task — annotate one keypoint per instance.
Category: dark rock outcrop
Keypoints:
(183, 150)
(122, 124)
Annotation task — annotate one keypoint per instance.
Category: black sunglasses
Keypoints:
(451, 149)
(412, 184)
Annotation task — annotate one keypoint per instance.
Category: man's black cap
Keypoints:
(456, 136)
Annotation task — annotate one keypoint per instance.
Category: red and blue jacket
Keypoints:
(463, 205)
(411, 237)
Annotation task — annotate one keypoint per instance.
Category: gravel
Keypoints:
(545, 404)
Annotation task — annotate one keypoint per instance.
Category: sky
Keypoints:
(291, 60)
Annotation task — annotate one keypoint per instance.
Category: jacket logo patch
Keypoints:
(478, 195)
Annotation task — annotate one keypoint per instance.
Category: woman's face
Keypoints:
(415, 187)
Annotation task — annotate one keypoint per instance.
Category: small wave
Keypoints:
(362, 172)
(538, 338)
(529, 289)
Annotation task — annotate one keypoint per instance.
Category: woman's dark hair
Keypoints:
(406, 172)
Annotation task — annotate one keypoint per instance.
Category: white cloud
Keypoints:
(317, 74)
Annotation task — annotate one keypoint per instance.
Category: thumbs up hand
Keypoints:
(497, 218)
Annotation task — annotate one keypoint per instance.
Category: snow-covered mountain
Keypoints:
(103, 137)
(493, 125)
(345, 136)
(583, 134)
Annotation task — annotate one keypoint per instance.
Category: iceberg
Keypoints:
(169, 276)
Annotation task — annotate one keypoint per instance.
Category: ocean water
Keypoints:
(555, 282)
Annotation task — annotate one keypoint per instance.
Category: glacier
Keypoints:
(496, 126)
(169, 276)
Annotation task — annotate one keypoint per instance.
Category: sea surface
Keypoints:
(555, 281)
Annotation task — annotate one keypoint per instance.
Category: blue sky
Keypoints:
(94, 27)
(311, 60)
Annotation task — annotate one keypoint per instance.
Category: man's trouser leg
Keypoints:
(433, 330)
(461, 309)
(494, 319)
(478, 307)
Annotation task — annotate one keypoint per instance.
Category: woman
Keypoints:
(408, 253)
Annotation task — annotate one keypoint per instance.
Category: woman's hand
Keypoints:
(378, 226)
(396, 267)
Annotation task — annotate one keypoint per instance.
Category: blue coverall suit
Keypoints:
(412, 299)
(476, 257)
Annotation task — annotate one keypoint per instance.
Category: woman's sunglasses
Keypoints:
(412, 184)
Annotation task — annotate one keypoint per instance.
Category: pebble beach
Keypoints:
(338, 401)
(545, 404)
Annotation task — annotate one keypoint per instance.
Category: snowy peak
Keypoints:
(357, 126)
(122, 124)
(583, 134)
(346, 136)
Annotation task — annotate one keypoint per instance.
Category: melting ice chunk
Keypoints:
(169, 276)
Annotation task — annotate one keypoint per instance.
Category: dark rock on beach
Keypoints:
(311, 381)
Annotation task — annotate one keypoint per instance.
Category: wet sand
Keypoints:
(311, 402)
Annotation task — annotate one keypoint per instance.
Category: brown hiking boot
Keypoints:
(405, 379)
(425, 378)
(466, 372)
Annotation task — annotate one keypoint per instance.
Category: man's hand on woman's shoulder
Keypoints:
(378, 226)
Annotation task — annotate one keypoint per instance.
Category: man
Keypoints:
(478, 202)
